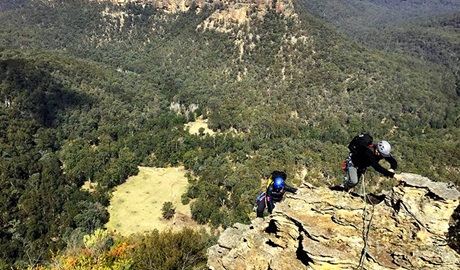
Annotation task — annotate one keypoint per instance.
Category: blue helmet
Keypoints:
(278, 182)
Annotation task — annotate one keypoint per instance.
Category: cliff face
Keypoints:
(321, 228)
(229, 11)
(183, 5)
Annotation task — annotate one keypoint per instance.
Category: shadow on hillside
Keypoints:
(35, 90)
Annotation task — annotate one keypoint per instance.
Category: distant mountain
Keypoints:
(11, 4)
(420, 7)
(355, 16)
(426, 30)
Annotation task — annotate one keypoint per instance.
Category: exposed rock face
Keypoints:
(233, 11)
(319, 228)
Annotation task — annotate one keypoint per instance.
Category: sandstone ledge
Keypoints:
(319, 228)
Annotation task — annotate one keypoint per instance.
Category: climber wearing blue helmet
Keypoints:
(276, 188)
(278, 183)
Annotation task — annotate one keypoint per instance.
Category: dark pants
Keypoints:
(261, 207)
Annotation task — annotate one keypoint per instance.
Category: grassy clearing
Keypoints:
(194, 127)
(136, 205)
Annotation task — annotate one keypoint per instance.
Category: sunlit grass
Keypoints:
(136, 205)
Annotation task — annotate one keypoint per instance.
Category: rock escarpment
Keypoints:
(319, 228)
(228, 6)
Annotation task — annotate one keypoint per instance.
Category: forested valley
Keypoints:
(87, 94)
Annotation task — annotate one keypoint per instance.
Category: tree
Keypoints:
(168, 210)
(98, 242)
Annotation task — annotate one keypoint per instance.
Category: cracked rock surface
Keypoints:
(319, 228)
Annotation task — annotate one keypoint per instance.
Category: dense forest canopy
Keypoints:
(88, 95)
(426, 30)
(356, 16)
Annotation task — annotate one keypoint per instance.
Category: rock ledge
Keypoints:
(319, 228)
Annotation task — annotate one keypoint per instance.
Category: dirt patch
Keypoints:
(194, 127)
(136, 204)
(89, 186)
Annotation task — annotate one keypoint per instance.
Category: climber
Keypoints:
(276, 187)
(364, 153)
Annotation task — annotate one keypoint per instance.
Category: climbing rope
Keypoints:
(367, 229)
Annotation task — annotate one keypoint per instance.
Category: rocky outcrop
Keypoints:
(322, 228)
(230, 11)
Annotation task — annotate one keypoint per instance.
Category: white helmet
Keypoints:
(384, 148)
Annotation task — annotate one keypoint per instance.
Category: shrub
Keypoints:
(168, 210)
(170, 250)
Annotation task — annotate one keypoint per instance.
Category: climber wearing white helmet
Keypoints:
(384, 148)
(364, 153)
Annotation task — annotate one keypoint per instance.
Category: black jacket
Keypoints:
(367, 157)
(273, 195)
